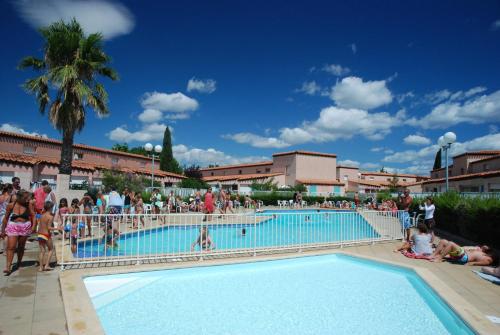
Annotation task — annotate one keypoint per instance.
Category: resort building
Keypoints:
(475, 171)
(35, 158)
(315, 170)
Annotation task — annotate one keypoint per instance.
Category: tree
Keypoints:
(167, 161)
(383, 170)
(437, 160)
(120, 147)
(193, 171)
(71, 63)
(193, 183)
(268, 185)
(394, 183)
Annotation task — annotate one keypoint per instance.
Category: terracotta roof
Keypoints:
(465, 176)
(347, 167)
(449, 167)
(75, 146)
(32, 160)
(380, 183)
(319, 182)
(486, 159)
(241, 176)
(300, 152)
(237, 166)
(370, 173)
(368, 183)
(479, 153)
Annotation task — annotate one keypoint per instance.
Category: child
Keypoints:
(75, 210)
(204, 241)
(44, 237)
(62, 212)
(139, 210)
(420, 244)
(110, 237)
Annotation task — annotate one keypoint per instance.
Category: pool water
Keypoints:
(279, 230)
(330, 294)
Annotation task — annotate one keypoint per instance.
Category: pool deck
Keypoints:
(32, 302)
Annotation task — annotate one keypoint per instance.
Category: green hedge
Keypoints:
(271, 199)
(475, 219)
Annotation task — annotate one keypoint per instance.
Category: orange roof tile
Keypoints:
(319, 182)
(241, 176)
(479, 153)
(237, 166)
(374, 173)
(465, 176)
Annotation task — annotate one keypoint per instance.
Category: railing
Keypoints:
(486, 195)
(132, 239)
(178, 191)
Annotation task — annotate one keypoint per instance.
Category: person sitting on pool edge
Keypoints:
(204, 241)
(420, 243)
(448, 250)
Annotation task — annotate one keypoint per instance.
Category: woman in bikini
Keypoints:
(18, 224)
(4, 201)
(87, 203)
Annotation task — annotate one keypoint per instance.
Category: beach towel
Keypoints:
(415, 256)
(494, 319)
(488, 277)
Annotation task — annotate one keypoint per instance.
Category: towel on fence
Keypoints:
(488, 277)
(416, 256)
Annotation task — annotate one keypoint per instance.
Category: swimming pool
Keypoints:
(278, 229)
(330, 294)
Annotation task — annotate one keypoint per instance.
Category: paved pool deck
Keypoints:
(32, 303)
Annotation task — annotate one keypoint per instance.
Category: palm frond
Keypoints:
(31, 62)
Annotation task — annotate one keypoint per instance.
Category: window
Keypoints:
(372, 178)
(388, 179)
(346, 177)
(404, 179)
(28, 149)
(258, 171)
(486, 167)
(143, 165)
(78, 156)
(268, 169)
(211, 173)
(114, 160)
(462, 171)
(240, 172)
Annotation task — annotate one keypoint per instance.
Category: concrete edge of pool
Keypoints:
(82, 318)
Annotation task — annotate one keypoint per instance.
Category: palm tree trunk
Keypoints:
(66, 152)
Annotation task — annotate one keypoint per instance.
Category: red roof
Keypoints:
(369, 173)
(300, 152)
(347, 167)
(237, 166)
(241, 176)
(319, 182)
(75, 146)
(479, 153)
(465, 176)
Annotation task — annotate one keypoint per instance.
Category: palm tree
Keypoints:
(70, 65)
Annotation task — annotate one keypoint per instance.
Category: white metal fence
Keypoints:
(116, 239)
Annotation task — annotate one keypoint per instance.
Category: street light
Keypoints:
(445, 143)
(157, 149)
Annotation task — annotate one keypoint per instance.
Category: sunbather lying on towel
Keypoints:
(491, 271)
(450, 251)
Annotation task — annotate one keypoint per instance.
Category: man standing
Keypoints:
(405, 201)
(42, 194)
(115, 201)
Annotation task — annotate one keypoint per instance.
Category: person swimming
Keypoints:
(204, 241)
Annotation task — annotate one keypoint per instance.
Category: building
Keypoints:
(35, 158)
(475, 171)
(316, 170)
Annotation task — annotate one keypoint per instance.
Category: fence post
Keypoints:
(138, 262)
(254, 234)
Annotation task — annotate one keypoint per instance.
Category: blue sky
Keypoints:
(374, 82)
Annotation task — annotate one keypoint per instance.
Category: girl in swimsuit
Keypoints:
(44, 237)
(87, 203)
(139, 209)
(4, 201)
(62, 212)
(18, 225)
(204, 240)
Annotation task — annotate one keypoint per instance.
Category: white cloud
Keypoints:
(477, 110)
(148, 132)
(333, 123)
(169, 102)
(336, 69)
(443, 95)
(487, 142)
(309, 88)
(495, 25)
(354, 48)
(369, 166)
(110, 18)
(201, 85)
(405, 96)
(150, 116)
(15, 129)
(417, 140)
(348, 162)
(377, 149)
(256, 140)
(204, 157)
(352, 92)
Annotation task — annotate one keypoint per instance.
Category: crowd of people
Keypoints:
(23, 213)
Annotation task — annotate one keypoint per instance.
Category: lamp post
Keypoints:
(157, 149)
(445, 143)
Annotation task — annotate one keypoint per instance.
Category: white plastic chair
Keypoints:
(148, 208)
(304, 203)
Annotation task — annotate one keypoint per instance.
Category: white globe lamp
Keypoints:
(158, 149)
(148, 147)
(450, 137)
(441, 141)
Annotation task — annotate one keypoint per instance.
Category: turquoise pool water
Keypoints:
(281, 229)
(331, 294)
